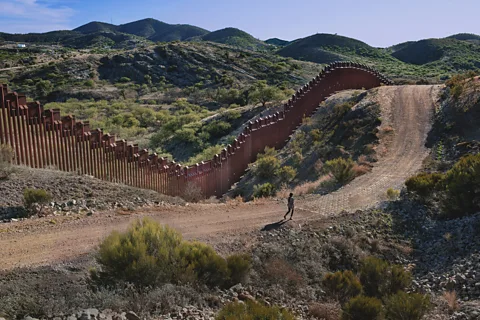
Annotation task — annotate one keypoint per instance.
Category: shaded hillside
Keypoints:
(160, 31)
(236, 38)
(452, 53)
(326, 48)
(48, 37)
(470, 37)
(277, 42)
(96, 26)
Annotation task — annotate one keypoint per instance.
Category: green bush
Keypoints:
(286, 173)
(379, 279)
(39, 196)
(362, 308)
(462, 184)
(198, 261)
(341, 169)
(90, 83)
(239, 266)
(267, 166)
(148, 254)
(392, 194)
(424, 184)
(342, 285)
(263, 190)
(253, 311)
(411, 306)
(124, 80)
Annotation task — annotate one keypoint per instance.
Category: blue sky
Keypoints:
(378, 22)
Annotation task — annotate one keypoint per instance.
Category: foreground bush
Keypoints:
(363, 308)
(342, 285)
(380, 279)
(463, 187)
(253, 311)
(148, 254)
(411, 306)
(341, 169)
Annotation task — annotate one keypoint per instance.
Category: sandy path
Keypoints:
(408, 109)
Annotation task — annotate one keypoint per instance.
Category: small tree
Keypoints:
(286, 173)
(267, 166)
(263, 93)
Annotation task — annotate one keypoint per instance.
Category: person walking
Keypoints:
(291, 207)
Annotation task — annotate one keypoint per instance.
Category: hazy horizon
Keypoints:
(375, 22)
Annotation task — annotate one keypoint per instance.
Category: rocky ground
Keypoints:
(289, 261)
(72, 193)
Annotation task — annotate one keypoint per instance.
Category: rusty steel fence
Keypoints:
(44, 138)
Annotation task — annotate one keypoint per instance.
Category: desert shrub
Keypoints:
(217, 129)
(263, 190)
(342, 285)
(462, 184)
(149, 254)
(198, 261)
(411, 306)
(6, 158)
(124, 80)
(424, 184)
(341, 169)
(362, 308)
(379, 279)
(238, 266)
(193, 192)
(145, 254)
(89, 83)
(286, 173)
(325, 311)
(392, 194)
(253, 311)
(32, 196)
(266, 166)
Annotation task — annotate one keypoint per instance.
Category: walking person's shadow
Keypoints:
(275, 225)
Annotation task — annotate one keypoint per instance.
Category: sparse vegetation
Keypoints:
(252, 310)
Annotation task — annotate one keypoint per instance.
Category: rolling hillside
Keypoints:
(449, 52)
(236, 38)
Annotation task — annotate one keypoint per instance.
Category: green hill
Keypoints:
(449, 52)
(470, 37)
(150, 29)
(96, 26)
(277, 42)
(326, 48)
(236, 38)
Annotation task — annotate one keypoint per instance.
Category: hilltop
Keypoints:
(235, 38)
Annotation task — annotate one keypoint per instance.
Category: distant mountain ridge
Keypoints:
(150, 29)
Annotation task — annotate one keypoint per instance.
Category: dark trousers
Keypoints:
(289, 210)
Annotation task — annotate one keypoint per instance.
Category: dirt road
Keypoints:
(408, 109)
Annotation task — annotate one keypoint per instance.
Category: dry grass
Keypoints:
(278, 271)
(192, 193)
(450, 298)
(361, 169)
(325, 311)
(304, 188)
